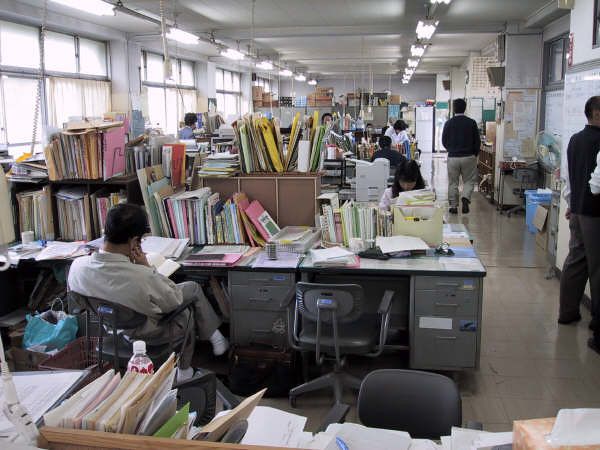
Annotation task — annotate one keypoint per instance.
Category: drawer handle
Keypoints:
(446, 338)
(448, 284)
(259, 300)
(262, 331)
(449, 305)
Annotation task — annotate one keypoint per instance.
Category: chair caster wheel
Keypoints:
(293, 402)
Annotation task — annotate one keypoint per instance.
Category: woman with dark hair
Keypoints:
(397, 133)
(407, 178)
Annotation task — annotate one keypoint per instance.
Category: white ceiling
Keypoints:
(331, 37)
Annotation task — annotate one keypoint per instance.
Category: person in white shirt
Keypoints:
(120, 273)
(398, 133)
(407, 178)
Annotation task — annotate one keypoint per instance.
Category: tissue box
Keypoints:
(429, 226)
(531, 435)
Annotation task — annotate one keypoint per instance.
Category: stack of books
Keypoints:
(30, 170)
(223, 164)
(101, 201)
(73, 206)
(35, 213)
(87, 154)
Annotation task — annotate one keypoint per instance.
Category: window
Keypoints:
(596, 23)
(229, 93)
(76, 82)
(168, 99)
(555, 56)
(263, 83)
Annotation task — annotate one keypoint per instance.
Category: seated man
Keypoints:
(120, 273)
(385, 151)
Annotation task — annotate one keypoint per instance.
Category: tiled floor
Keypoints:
(530, 366)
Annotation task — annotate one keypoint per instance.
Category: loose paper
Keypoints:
(435, 323)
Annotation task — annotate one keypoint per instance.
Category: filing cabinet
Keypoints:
(445, 322)
(259, 307)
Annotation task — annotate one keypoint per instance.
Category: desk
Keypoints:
(438, 300)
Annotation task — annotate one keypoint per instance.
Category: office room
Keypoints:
(300, 224)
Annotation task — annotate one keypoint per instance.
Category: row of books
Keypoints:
(35, 213)
(87, 154)
(201, 215)
(354, 220)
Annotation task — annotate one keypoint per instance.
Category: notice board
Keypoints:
(520, 129)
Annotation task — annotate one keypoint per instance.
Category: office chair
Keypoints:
(113, 318)
(426, 405)
(329, 319)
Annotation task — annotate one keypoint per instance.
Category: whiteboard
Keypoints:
(578, 88)
(553, 114)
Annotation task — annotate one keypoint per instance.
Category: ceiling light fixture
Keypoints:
(312, 82)
(286, 73)
(408, 71)
(181, 36)
(417, 50)
(265, 65)
(426, 28)
(413, 62)
(405, 81)
(446, 2)
(230, 53)
(96, 7)
(300, 77)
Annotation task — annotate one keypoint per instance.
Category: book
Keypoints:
(113, 141)
(261, 219)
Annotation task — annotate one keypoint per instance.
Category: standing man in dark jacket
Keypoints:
(461, 139)
(583, 261)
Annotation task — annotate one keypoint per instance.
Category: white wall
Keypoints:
(458, 84)
(420, 88)
(441, 95)
(582, 17)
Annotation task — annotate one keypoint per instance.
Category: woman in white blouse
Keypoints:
(398, 133)
(407, 178)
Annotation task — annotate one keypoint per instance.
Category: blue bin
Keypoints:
(532, 199)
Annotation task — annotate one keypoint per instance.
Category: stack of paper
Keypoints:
(223, 164)
(414, 198)
(61, 250)
(29, 169)
(397, 244)
(333, 257)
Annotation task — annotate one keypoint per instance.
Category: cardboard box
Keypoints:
(395, 99)
(539, 219)
(531, 435)
(541, 239)
(257, 93)
(258, 103)
(266, 97)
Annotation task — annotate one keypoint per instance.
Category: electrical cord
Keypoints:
(38, 98)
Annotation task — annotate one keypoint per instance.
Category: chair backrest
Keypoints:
(426, 405)
(112, 314)
(315, 300)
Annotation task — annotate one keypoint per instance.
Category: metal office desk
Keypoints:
(438, 300)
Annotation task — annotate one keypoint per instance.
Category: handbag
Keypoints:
(50, 330)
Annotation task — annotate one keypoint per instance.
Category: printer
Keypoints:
(371, 179)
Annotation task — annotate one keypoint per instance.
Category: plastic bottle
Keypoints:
(140, 362)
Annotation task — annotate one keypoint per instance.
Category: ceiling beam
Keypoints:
(546, 14)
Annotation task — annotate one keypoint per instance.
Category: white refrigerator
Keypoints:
(425, 135)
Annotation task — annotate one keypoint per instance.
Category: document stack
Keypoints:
(35, 213)
(30, 170)
(334, 257)
(73, 205)
(224, 164)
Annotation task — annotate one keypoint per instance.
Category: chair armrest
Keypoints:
(337, 414)
(386, 302)
(287, 298)
(168, 317)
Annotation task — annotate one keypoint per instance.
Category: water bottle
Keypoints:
(140, 362)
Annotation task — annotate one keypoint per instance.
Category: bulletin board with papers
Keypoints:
(579, 87)
(520, 116)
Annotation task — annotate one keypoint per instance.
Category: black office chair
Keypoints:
(116, 319)
(426, 405)
(329, 319)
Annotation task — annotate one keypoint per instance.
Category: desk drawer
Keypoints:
(242, 278)
(262, 298)
(446, 303)
(436, 348)
(446, 284)
(250, 327)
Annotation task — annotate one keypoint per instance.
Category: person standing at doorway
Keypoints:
(462, 141)
(583, 213)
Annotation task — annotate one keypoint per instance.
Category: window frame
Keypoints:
(237, 94)
(595, 30)
(548, 45)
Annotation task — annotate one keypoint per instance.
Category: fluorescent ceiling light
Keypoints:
(265, 65)
(426, 28)
(312, 82)
(408, 71)
(232, 54)
(417, 50)
(184, 37)
(286, 73)
(96, 7)
(413, 62)
(447, 2)
(405, 81)
(300, 77)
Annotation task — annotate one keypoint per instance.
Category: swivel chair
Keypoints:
(329, 319)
